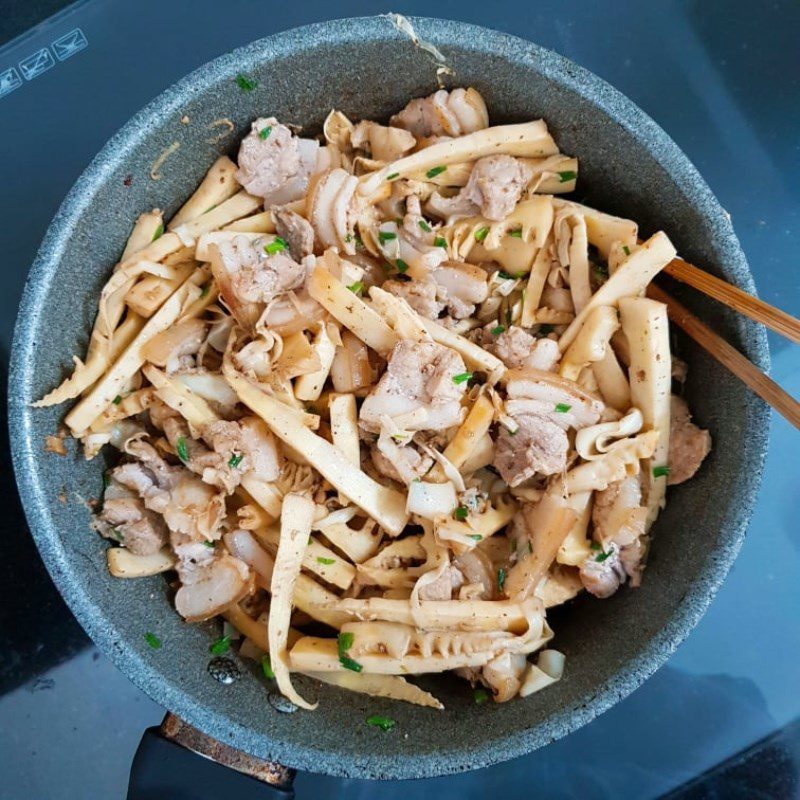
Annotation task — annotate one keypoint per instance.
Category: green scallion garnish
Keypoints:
(498, 330)
(476, 536)
(601, 557)
(326, 561)
(392, 176)
(462, 377)
(266, 667)
(117, 400)
(106, 480)
(378, 721)
(517, 234)
(440, 241)
(480, 696)
(462, 512)
(245, 83)
(208, 543)
(562, 408)
(235, 460)
(660, 472)
(348, 663)
(221, 646)
(501, 579)
(158, 232)
(434, 171)
(357, 288)
(152, 640)
(566, 176)
(278, 245)
(180, 449)
(481, 234)
(626, 250)
(401, 265)
(265, 132)
(424, 225)
(206, 290)
(386, 236)
(511, 276)
(344, 642)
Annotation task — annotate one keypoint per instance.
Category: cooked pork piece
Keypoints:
(688, 444)
(420, 377)
(420, 295)
(602, 572)
(141, 531)
(517, 349)
(296, 231)
(461, 287)
(538, 446)
(444, 114)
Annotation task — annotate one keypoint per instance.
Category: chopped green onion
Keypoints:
(566, 176)
(235, 460)
(265, 132)
(595, 546)
(480, 696)
(206, 290)
(326, 561)
(440, 241)
(278, 245)
(117, 400)
(384, 723)
(511, 276)
(517, 234)
(424, 225)
(392, 176)
(600, 272)
(401, 265)
(359, 243)
(357, 288)
(660, 472)
(266, 667)
(462, 512)
(116, 533)
(601, 557)
(245, 83)
(106, 480)
(476, 536)
(344, 642)
(434, 171)
(159, 232)
(180, 448)
(501, 579)
(208, 543)
(498, 330)
(152, 640)
(348, 663)
(545, 329)
(221, 646)
(562, 408)
(481, 234)
(386, 236)
(462, 377)
(626, 250)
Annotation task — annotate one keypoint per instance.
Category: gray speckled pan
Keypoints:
(366, 68)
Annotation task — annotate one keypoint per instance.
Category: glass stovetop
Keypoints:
(724, 80)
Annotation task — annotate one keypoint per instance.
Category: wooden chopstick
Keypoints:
(779, 321)
(729, 357)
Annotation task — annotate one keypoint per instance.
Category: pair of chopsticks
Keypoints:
(775, 319)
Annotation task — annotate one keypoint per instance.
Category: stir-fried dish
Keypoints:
(384, 398)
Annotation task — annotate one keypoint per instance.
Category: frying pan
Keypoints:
(369, 68)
